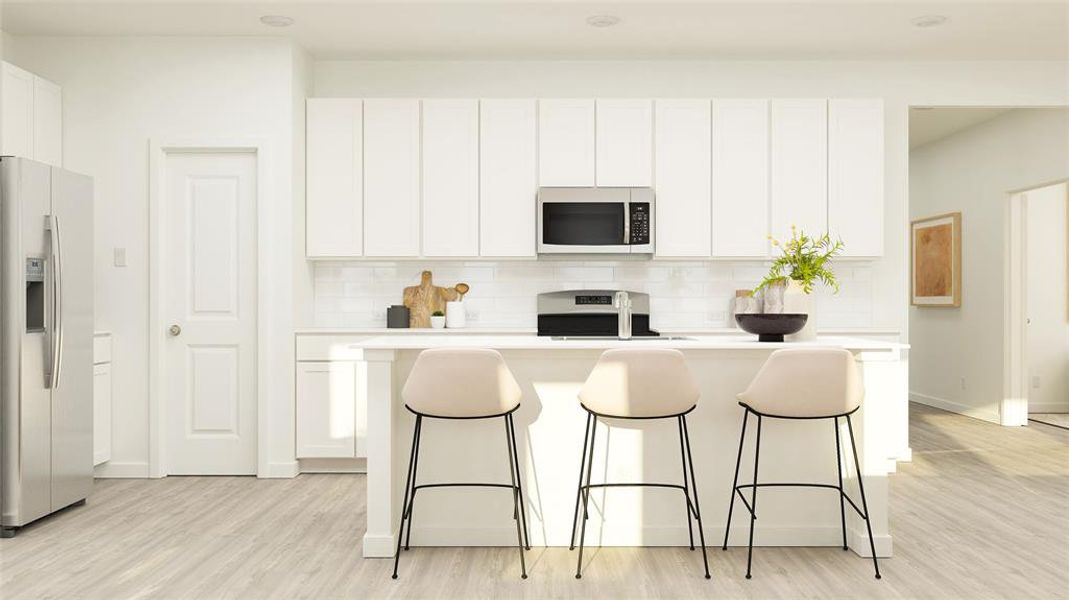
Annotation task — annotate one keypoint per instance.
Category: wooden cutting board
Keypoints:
(423, 299)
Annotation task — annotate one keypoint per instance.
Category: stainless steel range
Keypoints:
(595, 313)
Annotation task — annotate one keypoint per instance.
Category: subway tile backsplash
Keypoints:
(683, 295)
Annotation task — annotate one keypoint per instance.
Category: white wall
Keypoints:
(1047, 226)
(899, 84)
(118, 94)
(973, 171)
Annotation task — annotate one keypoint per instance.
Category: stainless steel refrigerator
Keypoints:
(46, 340)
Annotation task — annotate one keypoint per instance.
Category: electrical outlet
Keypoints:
(962, 383)
(1035, 382)
(119, 256)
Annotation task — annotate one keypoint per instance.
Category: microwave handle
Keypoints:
(627, 223)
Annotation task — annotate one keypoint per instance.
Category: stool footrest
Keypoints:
(444, 485)
(739, 488)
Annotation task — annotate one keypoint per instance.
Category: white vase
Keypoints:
(796, 301)
(455, 315)
(438, 322)
(772, 298)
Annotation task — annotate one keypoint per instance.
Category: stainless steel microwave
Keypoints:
(602, 220)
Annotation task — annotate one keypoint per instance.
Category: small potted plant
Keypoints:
(803, 262)
(437, 320)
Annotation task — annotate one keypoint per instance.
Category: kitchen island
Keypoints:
(549, 428)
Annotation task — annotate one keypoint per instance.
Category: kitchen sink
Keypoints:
(644, 338)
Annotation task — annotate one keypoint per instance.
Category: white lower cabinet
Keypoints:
(329, 424)
(101, 398)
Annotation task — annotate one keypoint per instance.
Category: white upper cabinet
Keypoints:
(508, 177)
(450, 178)
(391, 177)
(335, 178)
(31, 116)
(855, 175)
(740, 178)
(566, 142)
(683, 176)
(624, 143)
(799, 167)
(47, 122)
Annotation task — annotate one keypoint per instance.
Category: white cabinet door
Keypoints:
(101, 413)
(683, 176)
(799, 167)
(391, 177)
(624, 143)
(16, 112)
(334, 207)
(740, 178)
(47, 122)
(855, 175)
(508, 176)
(566, 142)
(450, 178)
(326, 409)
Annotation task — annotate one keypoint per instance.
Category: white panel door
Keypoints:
(450, 178)
(326, 416)
(855, 175)
(47, 122)
(16, 112)
(101, 413)
(508, 177)
(334, 206)
(683, 177)
(391, 177)
(210, 305)
(624, 143)
(566, 142)
(740, 178)
(799, 166)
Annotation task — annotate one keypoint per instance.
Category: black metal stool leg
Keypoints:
(686, 487)
(408, 488)
(515, 496)
(753, 498)
(864, 503)
(735, 483)
(839, 469)
(586, 500)
(697, 506)
(579, 486)
(415, 476)
(519, 481)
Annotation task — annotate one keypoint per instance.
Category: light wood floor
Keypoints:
(982, 512)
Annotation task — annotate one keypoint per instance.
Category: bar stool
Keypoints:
(638, 383)
(465, 383)
(803, 384)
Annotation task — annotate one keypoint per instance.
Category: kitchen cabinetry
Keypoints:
(31, 116)
(683, 174)
(566, 142)
(508, 177)
(334, 200)
(799, 163)
(101, 398)
(391, 177)
(450, 178)
(740, 178)
(855, 174)
(624, 143)
(331, 413)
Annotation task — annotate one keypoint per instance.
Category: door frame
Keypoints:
(1013, 410)
(159, 150)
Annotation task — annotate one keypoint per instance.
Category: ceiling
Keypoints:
(927, 125)
(549, 29)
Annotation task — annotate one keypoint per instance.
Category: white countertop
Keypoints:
(534, 342)
(719, 331)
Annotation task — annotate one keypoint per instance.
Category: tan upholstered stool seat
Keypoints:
(640, 383)
(461, 383)
(805, 383)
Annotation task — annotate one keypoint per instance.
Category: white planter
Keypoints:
(456, 317)
(438, 322)
(795, 300)
(772, 298)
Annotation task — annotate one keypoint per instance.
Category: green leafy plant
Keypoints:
(437, 313)
(805, 259)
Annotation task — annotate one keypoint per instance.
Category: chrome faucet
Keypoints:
(622, 303)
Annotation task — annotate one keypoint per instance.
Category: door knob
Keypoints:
(175, 330)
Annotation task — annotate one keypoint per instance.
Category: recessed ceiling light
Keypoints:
(603, 20)
(929, 20)
(276, 20)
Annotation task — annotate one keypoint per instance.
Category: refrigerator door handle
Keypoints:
(57, 302)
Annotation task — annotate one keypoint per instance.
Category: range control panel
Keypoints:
(592, 300)
(640, 222)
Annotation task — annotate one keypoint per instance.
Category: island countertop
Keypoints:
(535, 342)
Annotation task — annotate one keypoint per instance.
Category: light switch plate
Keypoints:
(120, 257)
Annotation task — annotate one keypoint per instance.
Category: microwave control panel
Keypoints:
(640, 223)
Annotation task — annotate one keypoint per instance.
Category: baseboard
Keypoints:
(333, 465)
(121, 470)
(280, 470)
(383, 546)
(983, 414)
(1048, 407)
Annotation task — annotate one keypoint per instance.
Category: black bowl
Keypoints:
(771, 327)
